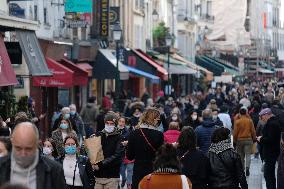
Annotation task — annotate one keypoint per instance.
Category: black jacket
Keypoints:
(113, 153)
(85, 171)
(188, 121)
(195, 165)
(49, 173)
(143, 154)
(226, 170)
(270, 140)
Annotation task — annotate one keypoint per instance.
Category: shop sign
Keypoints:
(77, 24)
(114, 15)
(82, 6)
(104, 18)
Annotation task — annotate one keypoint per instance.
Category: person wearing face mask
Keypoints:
(5, 146)
(191, 120)
(65, 114)
(270, 142)
(49, 149)
(79, 124)
(216, 119)
(126, 165)
(137, 112)
(64, 128)
(77, 169)
(107, 171)
(143, 144)
(175, 117)
(26, 166)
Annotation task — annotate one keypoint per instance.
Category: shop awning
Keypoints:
(7, 74)
(32, 53)
(162, 71)
(180, 69)
(105, 66)
(62, 76)
(265, 71)
(80, 75)
(153, 78)
(87, 67)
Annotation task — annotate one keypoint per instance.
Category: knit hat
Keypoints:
(265, 111)
(111, 117)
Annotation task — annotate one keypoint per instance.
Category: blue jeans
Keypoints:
(129, 169)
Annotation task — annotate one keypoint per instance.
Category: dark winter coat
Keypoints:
(280, 170)
(189, 122)
(143, 154)
(85, 171)
(195, 165)
(226, 167)
(49, 173)
(204, 133)
(270, 140)
(80, 127)
(113, 154)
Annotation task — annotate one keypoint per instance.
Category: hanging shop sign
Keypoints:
(77, 24)
(114, 15)
(83, 6)
(104, 18)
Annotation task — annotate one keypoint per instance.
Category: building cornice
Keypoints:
(18, 23)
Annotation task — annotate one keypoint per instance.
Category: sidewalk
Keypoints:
(256, 180)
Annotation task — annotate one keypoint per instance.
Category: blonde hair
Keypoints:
(149, 117)
(174, 126)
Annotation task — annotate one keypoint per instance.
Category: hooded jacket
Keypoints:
(204, 133)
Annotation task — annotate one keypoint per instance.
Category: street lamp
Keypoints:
(155, 15)
(168, 39)
(117, 32)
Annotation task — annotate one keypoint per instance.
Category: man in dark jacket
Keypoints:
(107, 171)
(205, 130)
(89, 115)
(26, 166)
(270, 142)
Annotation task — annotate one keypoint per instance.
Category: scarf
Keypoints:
(145, 126)
(220, 146)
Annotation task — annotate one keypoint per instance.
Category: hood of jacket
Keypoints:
(220, 146)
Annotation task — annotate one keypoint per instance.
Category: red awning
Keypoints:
(7, 74)
(80, 75)
(163, 73)
(87, 67)
(62, 76)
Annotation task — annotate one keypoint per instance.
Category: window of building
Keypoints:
(45, 19)
(35, 13)
(139, 4)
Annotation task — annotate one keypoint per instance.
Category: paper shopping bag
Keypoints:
(94, 149)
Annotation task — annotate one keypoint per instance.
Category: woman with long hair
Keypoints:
(64, 129)
(195, 165)
(143, 144)
(166, 173)
(78, 171)
(226, 166)
(49, 149)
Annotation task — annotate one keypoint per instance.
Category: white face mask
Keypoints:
(174, 118)
(109, 128)
(194, 117)
(214, 117)
(46, 150)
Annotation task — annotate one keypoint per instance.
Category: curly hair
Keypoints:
(150, 117)
(220, 134)
(71, 136)
(166, 157)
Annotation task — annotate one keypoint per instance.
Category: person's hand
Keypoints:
(258, 138)
(95, 167)
(41, 116)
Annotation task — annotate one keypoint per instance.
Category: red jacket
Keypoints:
(171, 136)
(106, 103)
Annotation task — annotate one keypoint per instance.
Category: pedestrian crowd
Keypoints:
(204, 140)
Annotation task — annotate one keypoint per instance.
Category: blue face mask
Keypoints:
(70, 150)
(66, 116)
(64, 126)
(72, 113)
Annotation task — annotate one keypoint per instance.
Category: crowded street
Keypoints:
(141, 94)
